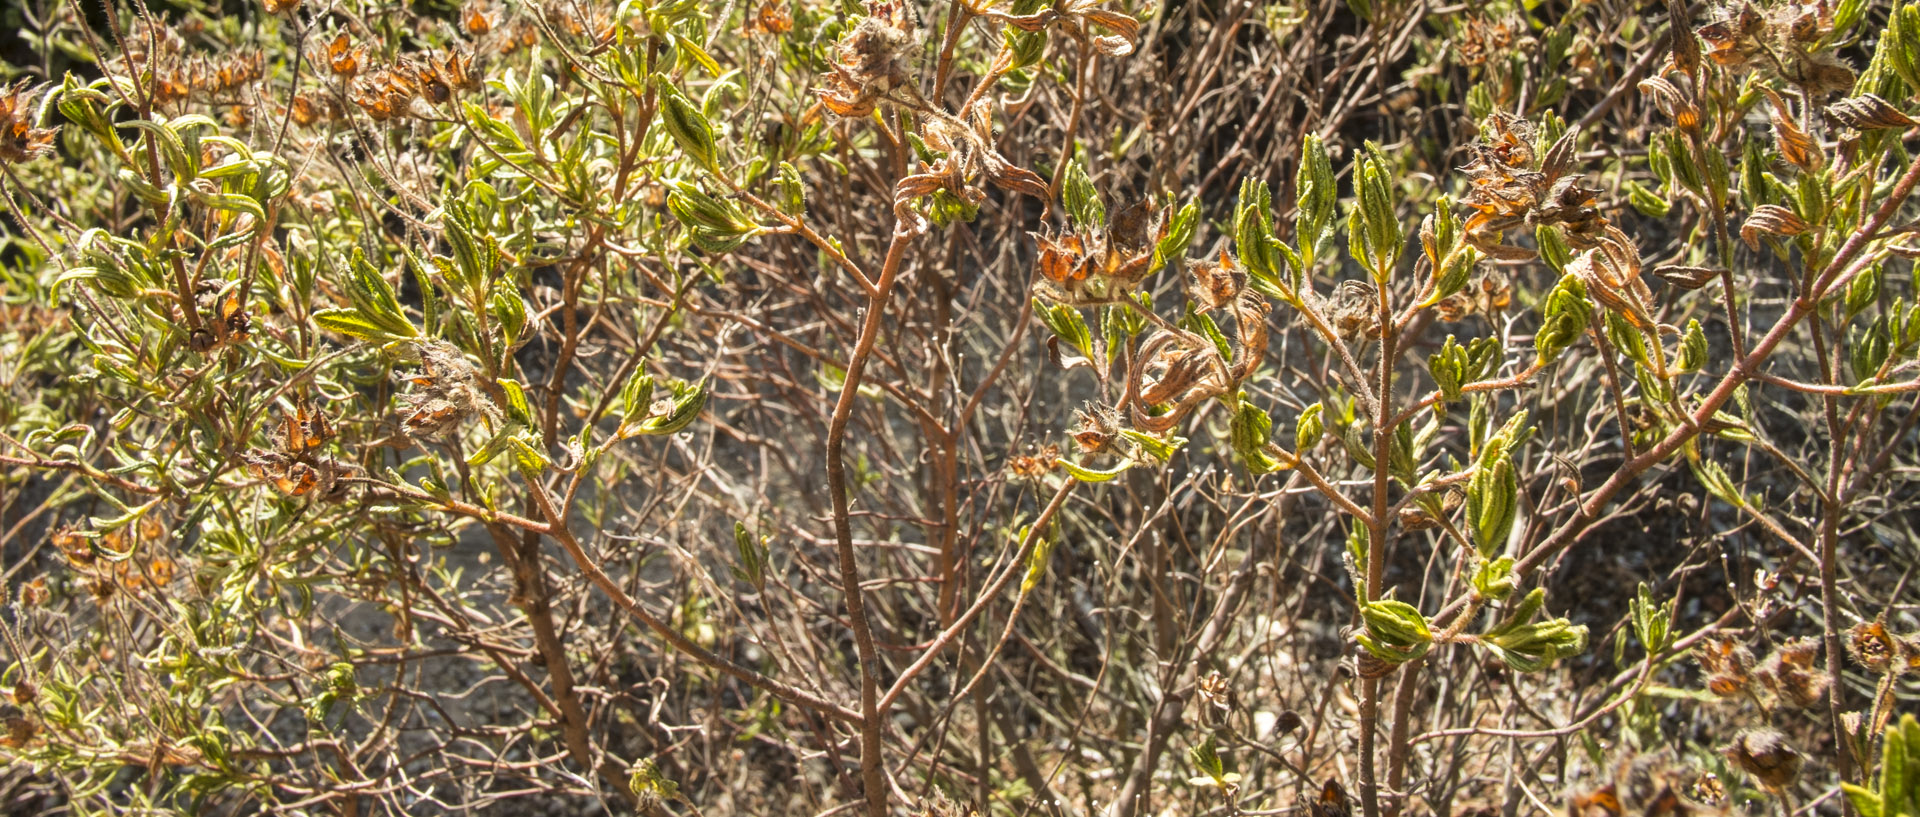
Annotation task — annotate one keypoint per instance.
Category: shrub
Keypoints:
(652, 406)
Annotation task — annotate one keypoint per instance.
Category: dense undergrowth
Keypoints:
(1054, 407)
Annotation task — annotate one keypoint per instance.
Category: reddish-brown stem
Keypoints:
(1377, 556)
(872, 774)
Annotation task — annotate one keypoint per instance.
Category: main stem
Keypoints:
(872, 776)
(1377, 548)
(1830, 511)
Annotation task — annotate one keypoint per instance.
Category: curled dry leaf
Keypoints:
(1795, 145)
(1770, 219)
(1672, 102)
(1869, 112)
(1688, 278)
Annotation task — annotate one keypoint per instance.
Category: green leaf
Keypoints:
(1553, 248)
(793, 193)
(1396, 624)
(636, 395)
(351, 323)
(1715, 479)
(1039, 557)
(1646, 200)
(373, 297)
(528, 458)
(1067, 324)
(752, 557)
(233, 202)
(1206, 759)
(1316, 192)
(1092, 475)
(1564, 318)
(516, 406)
(1308, 429)
(1863, 290)
(1493, 579)
(1081, 199)
(510, 311)
(1156, 449)
(1253, 233)
(1492, 502)
(1651, 622)
(1693, 348)
(1384, 237)
(1249, 431)
(688, 400)
(687, 125)
(495, 445)
(1449, 370)
(1173, 247)
(696, 55)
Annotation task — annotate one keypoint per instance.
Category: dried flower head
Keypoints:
(343, 57)
(1871, 646)
(1332, 801)
(774, 17)
(20, 140)
(1781, 41)
(75, 546)
(36, 592)
(1355, 309)
(1035, 464)
(1103, 264)
(870, 60)
(1097, 425)
(1791, 675)
(1728, 664)
(1511, 187)
(1216, 693)
(1214, 284)
(311, 108)
(1484, 36)
(447, 394)
(1493, 292)
(387, 95)
(1765, 754)
(1611, 272)
(478, 18)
